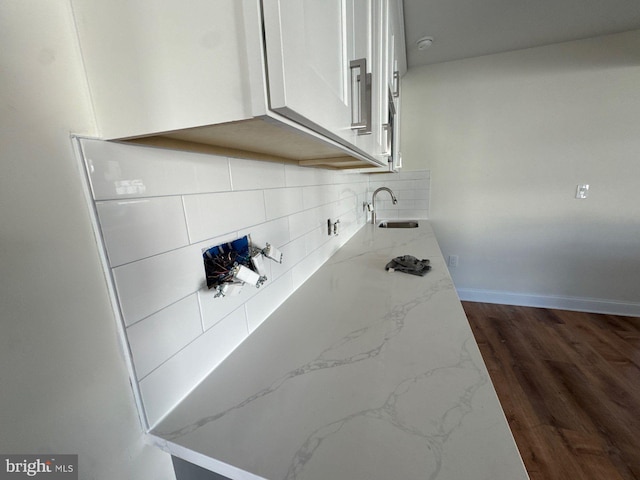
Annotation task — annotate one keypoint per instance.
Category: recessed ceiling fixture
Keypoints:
(424, 43)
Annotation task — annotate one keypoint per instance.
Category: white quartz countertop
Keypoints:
(361, 374)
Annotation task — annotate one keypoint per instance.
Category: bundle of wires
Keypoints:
(221, 259)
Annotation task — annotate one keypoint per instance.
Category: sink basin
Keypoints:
(399, 224)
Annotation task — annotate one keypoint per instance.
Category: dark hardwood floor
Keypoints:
(569, 383)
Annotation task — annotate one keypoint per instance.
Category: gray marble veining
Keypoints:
(432, 435)
(359, 345)
(361, 374)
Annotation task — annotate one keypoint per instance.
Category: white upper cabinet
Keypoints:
(161, 66)
(269, 79)
(308, 45)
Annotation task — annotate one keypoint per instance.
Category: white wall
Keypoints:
(64, 385)
(507, 138)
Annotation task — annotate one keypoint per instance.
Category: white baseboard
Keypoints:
(580, 304)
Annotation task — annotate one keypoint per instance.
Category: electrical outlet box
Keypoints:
(453, 260)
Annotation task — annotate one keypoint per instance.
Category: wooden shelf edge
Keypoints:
(265, 140)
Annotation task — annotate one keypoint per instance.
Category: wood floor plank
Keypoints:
(616, 426)
(592, 455)
(569, 383)
(621, 352)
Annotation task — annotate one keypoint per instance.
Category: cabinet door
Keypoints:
(396, 68)
(310, 45)
(384, 59)
(366, 44)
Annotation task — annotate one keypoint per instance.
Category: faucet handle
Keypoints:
(367, 206)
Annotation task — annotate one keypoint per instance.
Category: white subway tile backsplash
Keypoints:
(402, 205)
(346, 205)
(215, 309)
(352, 178)
(146, 286)
(135, 229)
(296, 176)
(317, 195)
(413, 195)
(411, 190)
(119, 170)
(158, 209)
(351, 189)
(413, 214)
(282, 201)
(210, 215)
(316, 238)
(270, 297)
(401, 184)
(292, 253)
(417, 205)
(300, 224)
(156, 338)
(348, 221)
(163, 388)
(417, 174)
(253, 174)
(382, 214)
(307, 267)
(422, 184)
(320, 214)
(402, 175)
(275, 232)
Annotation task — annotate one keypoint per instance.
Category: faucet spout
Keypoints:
(373, 202)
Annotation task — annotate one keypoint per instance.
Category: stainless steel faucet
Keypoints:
(373, 202)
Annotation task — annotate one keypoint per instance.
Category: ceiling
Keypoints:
(471, 28)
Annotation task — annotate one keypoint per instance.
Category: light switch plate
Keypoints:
(582, 191)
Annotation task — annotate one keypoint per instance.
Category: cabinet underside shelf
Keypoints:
(258, 139)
